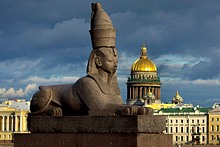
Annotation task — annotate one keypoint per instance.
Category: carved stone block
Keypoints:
(97, 124)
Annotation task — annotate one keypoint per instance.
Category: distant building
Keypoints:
(214, 125)
(143, 81)
(13, 119)
(188, 125)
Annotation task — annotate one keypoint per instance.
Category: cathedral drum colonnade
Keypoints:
(143, 80)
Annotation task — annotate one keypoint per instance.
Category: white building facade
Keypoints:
(188, 125)
(13, 119)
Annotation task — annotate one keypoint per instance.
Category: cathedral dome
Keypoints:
(143, 64)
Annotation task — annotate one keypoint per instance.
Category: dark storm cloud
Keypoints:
(204, 69)
(175, 27)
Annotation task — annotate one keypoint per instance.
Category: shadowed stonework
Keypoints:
(95, 131)
(100, 124)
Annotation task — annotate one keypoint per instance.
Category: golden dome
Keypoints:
(143, 64)
(177, 96)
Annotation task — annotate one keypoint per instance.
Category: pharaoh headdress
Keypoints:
(103, 34)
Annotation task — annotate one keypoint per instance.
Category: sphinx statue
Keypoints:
(98, 92)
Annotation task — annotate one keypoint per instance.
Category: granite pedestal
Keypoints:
(95, 131)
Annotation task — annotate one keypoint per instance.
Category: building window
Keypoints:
(187, 129)
(212, 119)
(212, 129)
(192, 120)
(187, 138)
(217, 119)
(176, 138)
(181, 121)
(217, 128)
(176, 121)
(217, 137)
(171, 129)
(187, 121)
(212, 137)
(197, 120)
(181, 129)
(198, 129)
(181, 138)
(203, 129)
(176, 129)
(203, 138)
(171, 121)
(203, 121)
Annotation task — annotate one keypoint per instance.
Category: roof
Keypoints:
(21, 105)
(183, 110)
(215, 110)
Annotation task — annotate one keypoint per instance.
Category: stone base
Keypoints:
(92, 140)
(95, 131)
(97, 124)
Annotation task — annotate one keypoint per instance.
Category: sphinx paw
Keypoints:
(55, 111)
(145, 111)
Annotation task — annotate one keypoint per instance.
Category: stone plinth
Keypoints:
(100, 124)
(95, 131)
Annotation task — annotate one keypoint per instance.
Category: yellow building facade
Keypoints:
(12, 120)
(214, 126)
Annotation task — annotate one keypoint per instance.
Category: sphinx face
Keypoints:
(109, 60)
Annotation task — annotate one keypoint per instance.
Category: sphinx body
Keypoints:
(85, 97)
(71, 100)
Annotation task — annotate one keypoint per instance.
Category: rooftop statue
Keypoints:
(98, 92)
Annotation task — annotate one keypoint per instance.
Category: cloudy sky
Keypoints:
(45, 42)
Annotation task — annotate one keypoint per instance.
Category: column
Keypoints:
(25, 126)
(21, 123)
(132, 92)
(158, 97)
(159, 92)
(7, 124)
(16, 123)
(128, 97)
(3, 123)
(12, 123)
(155, 93)
(145, 90)
(140, 92)
(136, 92)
